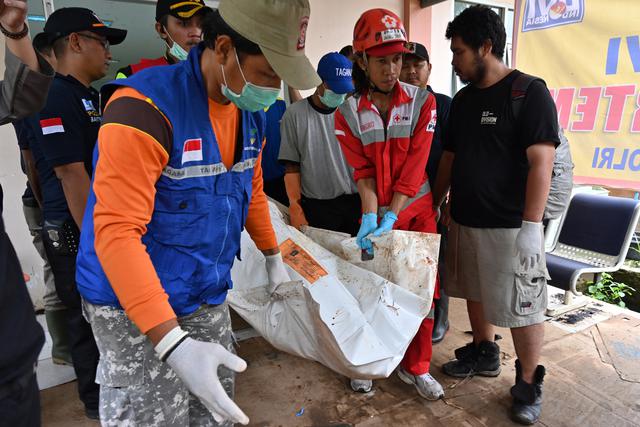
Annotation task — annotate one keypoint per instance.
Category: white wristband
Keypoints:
(169, 342)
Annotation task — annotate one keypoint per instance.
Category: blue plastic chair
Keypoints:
(594, 238)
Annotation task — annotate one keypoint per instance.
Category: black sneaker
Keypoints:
(527, 398)
(470, 360)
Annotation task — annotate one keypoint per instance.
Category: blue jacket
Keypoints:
(200, 206)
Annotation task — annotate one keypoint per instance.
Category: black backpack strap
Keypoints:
(519, 89)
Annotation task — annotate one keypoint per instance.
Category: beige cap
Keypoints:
(279, 27)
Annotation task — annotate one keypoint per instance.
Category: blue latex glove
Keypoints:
(368, 225)
(386, 224)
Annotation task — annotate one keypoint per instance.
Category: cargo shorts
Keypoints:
(482, 266)
(136, 388)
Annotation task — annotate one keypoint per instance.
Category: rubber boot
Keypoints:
(441, 320)
(527, 398)
(57, 326)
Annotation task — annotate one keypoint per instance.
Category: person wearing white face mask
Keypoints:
(179, 25)
(318, 180)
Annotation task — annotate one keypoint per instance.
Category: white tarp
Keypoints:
(349, 319)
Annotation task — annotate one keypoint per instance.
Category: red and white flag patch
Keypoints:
(431, 126)
(192, 150)
(50, 126)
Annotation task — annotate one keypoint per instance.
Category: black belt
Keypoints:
(17, 385)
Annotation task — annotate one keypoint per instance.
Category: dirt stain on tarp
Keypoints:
(579, 316)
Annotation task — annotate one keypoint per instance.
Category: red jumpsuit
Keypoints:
(395, 154)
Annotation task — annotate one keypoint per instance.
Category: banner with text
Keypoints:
(588, 52)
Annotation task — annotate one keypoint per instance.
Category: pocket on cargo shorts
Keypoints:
(530, 293)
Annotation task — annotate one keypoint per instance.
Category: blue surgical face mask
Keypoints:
(332, 99)
(253, 97)
(176, 50)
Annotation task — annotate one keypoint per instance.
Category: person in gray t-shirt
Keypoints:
(318, 180)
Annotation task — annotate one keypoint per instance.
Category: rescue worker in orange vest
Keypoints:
(385, 131)
(179, 25)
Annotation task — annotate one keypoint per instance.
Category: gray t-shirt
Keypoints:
(308, 137)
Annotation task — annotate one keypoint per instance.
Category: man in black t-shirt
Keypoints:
(499, 170)
(66, 132)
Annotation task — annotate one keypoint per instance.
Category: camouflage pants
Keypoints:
(137, 389)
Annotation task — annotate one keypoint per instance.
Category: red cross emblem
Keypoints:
(389, 21)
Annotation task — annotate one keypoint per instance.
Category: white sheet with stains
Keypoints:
(353, 321)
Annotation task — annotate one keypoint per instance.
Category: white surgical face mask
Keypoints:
(252, 97)
(176, 50)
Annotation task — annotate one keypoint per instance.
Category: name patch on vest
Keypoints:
(192, 150)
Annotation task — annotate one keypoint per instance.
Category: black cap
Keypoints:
(69, 20)
(417, 49)
(181, 9)
(41, 42)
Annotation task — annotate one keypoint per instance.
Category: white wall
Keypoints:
(13, 183)
(439, 52)
(332, 21)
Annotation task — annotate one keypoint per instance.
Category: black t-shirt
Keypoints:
(443, 103)
(66, 132)
(489, 175)
(53, 201)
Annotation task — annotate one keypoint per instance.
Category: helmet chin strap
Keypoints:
(372, 85)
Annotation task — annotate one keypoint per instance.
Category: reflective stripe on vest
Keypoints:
(424, 190)
(368, 126)
(207, 170)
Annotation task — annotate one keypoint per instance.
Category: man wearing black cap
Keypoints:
(66, 132)
(178, 23)
(54, 309)
(416, 70)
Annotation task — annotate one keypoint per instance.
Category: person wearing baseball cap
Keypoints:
(68, 20)
(179, 25)
(385, 131)
(318, 180)
(416, 69)
(177, 178)
(65, 133)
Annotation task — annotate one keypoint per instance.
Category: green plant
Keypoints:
(608, 290)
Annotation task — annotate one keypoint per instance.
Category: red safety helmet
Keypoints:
(379, 32)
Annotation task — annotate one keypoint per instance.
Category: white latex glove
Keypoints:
(276, 271)
(196, 364)
(529, 244)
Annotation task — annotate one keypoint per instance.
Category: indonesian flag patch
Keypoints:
(50, 126)
(192, 150)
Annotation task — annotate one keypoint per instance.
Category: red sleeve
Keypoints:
(409, 182)
(353, 150)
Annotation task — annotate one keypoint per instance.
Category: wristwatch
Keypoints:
(15, 36)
